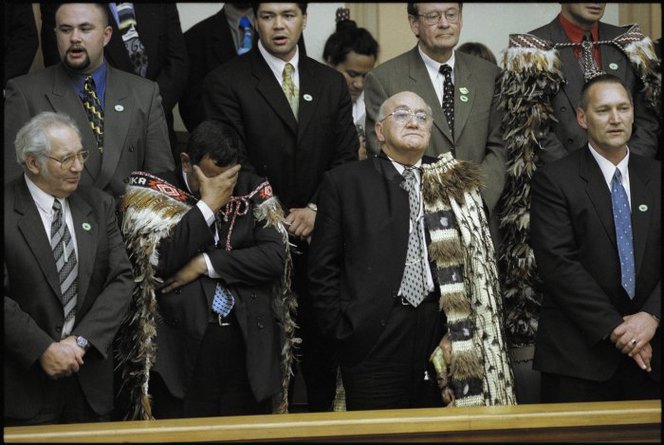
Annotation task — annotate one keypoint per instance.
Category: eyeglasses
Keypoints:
(67, 162)
(402, 117)
(433, 18)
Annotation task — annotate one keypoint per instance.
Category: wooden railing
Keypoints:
(580, 422)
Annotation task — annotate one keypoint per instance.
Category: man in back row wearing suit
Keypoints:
(125, 110)
(67, 282)
(597, 237)
(294, 116)
(459, 87)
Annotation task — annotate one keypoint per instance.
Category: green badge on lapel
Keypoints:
(86, 226)
(307, 97)
(643, 208)
(463, 90)
(119, 108)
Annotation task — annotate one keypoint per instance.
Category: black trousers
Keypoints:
(64, 402)
(397, 373)
(629, 382)
(219, 386)
(317, 355)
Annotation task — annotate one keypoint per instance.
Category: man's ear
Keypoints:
(581, 118)
(186, 162)
(379, 132)
(33, 165)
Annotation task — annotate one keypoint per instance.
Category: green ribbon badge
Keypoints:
(86, 226)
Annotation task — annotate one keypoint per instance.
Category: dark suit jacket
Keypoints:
(477, 133)
(292, 154)
(250, 271)
(135, 133)
(358, 252)
(158, 26)
(21, 39)
(33, 307)
(574, 240)
(209, 44)
(566, 135)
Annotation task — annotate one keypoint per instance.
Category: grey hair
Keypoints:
(381, 109)
(33, 139)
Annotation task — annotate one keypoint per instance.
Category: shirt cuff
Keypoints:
(207, 212)
(210, 270)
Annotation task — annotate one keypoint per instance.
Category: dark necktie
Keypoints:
(223, 300)
(247, 38)
(587, 60)
(135, 48)
(448, 96)
(65, 261)
(291, 91)
(94, 111)
(622, 217)
(413, 287)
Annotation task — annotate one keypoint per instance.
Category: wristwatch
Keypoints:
(312, 206)
(83, 343)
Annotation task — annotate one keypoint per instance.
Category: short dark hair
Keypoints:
(217, 140)
(601, 78)
(478, 49)
(412, 8)
(302, 6)
(103, 7)
(348, 37)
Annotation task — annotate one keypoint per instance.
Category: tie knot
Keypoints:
(56, 205)
(245, 23)
(445, 70)
(617, 176)
(409, 174)
(89, 83)
(288, 70)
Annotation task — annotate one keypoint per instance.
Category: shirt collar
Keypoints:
(276, 64)
(608, 168)
(574, 33)
(400, 167)
(43, 200)
(433, 64)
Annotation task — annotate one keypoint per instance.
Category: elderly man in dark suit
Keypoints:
(466, 122)
(387, 269)
(147, 40)
(597, 236)
(211, 362)
(119, 114)
(67, 282)
(294, 116)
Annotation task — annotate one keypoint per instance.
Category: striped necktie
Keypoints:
(65, 261)
(94, 111)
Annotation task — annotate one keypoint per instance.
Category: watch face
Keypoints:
(82, 342)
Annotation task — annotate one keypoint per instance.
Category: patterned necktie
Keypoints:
(94, 111)
(412, 284)
(448, 96)
(291, 91)
(587, 60)
(135, 48)
(622, 219)
(247, 38)
(223, 300)
(65, 261)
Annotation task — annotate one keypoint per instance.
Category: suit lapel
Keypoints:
(421, 85)
(598, 192)
(269, 88)
(570, 65)
(310, 88)
(31, 227)
(118, 110)
(87, 230)
(64, 99)
(222, 45)
(641, 201)
(462, 76)
(613, 60)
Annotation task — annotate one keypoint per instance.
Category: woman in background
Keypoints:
(353, 52)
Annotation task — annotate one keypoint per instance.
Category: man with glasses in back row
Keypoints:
(458, 87)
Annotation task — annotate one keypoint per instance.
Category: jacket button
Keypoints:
(394, 294)
(260, 325)
(178, 291)
(383, 323)
(253, 295)
(131, 148)
(563, 109)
